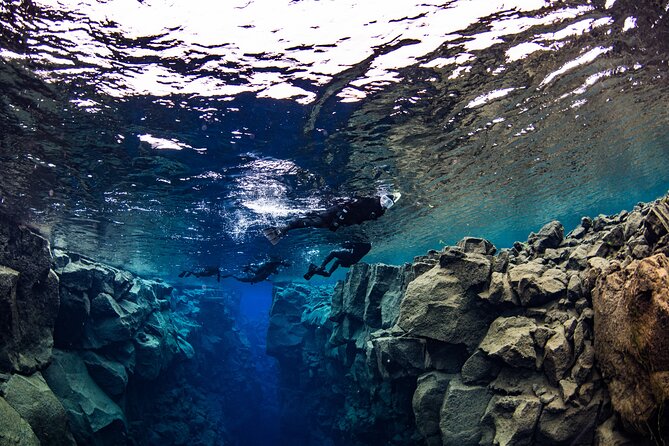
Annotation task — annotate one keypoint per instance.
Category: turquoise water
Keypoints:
(161, 137)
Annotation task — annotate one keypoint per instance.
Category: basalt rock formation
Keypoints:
(561, 340)
(73, 334)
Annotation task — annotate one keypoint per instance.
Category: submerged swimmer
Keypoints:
(351, 254)
(351, 212)
(207, 271)
(258, 272)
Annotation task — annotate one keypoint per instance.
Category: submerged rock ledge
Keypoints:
(557, 341)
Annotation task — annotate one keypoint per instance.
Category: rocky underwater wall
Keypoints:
(93, 355)
(557, 341)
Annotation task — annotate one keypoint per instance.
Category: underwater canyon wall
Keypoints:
(91, 354)
(557, 341)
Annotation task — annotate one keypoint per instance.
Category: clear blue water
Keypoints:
(162, 136)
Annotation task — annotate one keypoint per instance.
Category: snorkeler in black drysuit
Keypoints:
(352, 253)
(207, 271)
(259, 272)
(351, 212)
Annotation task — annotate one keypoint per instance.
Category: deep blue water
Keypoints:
(160, 138)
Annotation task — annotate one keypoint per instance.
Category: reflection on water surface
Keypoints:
(159, 136)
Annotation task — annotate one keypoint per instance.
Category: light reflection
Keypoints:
(270, 37)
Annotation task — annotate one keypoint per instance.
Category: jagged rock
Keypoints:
(383, 295)
(351, 300)
(9, 315)
(514, 419)
(24, 251)
(558, 356)
(633, 224)
(14, 430)
(32, 309)
(499, 291)
(34, 401)
(472, 270)
(657, 221)
(574, 288)
(632, 338)
(500, 263)
(475, 245)
(436, 306)
(568, 389)
(549, 236)
(615, 238)
(111, 376)
(461, 413)
(536, 284)
(28, 302)
(562, 424)
(541, 335)
(510, 340)
(100, 333)
(398, 357)
(93, 415)
(584, 364)
(479, 369)
(426, 402)
(578, 258)
(149, 355)
(103, 305)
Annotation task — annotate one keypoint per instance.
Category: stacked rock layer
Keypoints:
(559, 340)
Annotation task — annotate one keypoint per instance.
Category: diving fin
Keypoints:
(183, 273)
(312, 270)
(273, 235)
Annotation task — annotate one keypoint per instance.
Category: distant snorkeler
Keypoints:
(351, 254)
(207, 271)
(259, 272)
(350, 212)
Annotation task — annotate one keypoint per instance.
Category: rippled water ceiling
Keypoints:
(145, 131)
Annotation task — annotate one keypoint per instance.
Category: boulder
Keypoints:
(149, 356)
(14, 430)
(509, 339)
(31, 311)
(286, 332)
(549, 236)
(514, 419)
(479, 369)
(631, 333)
(34, 401)
(354, 292)
(558, 356)
(111, 376)
(436, 306)
(398, 357)
(499, 291)
(92, 414)
(475, 245)
(656, 224)
(472, 270)
(427, 401)
(570, 424)
(536, 284)
(461, 413)
(383, 295)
